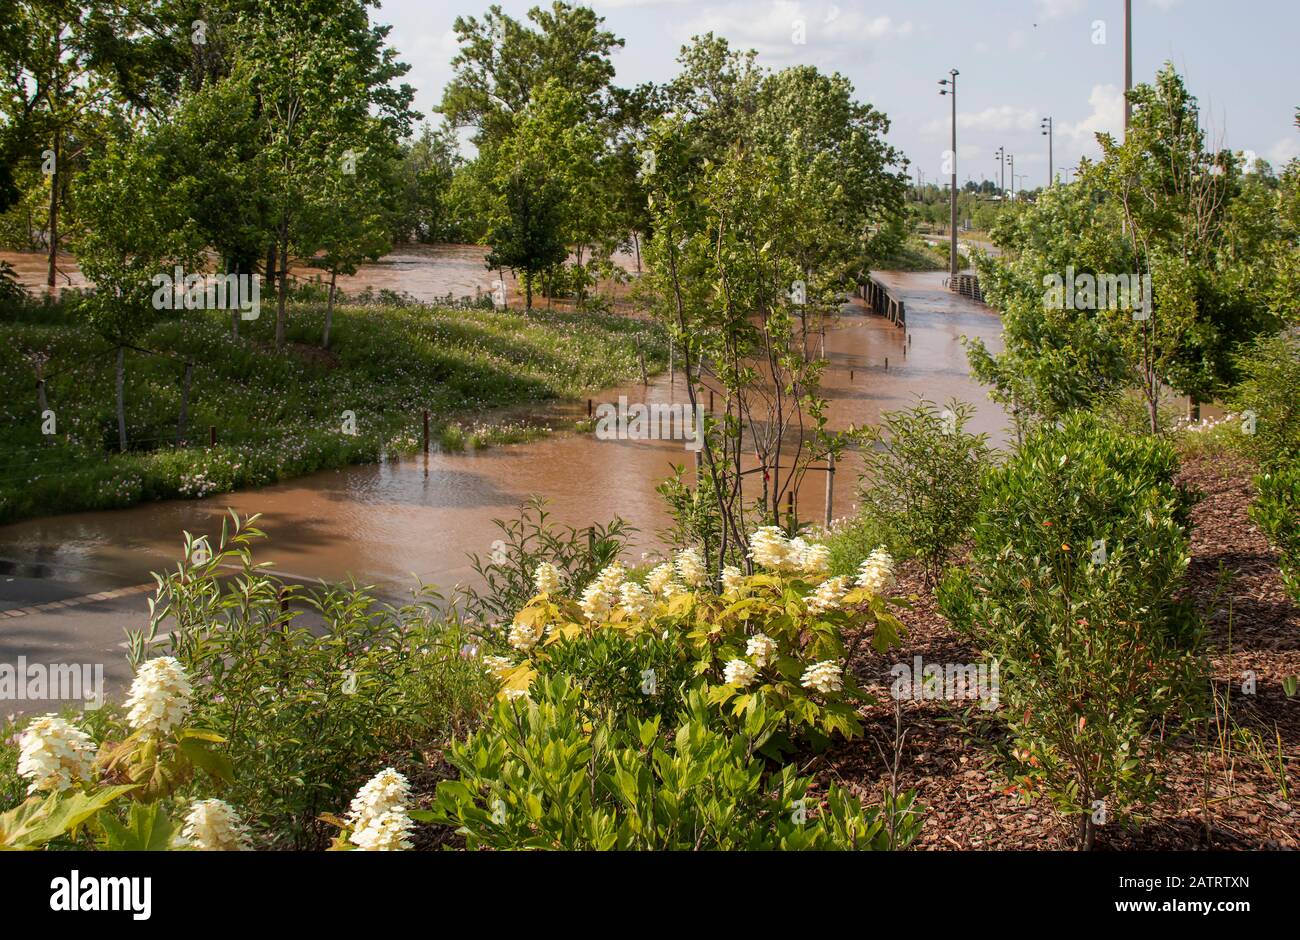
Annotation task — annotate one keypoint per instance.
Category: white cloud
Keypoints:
(1107, 103)
(1004, 117)
(1166, 4)
(1284, 151)
(789, 29)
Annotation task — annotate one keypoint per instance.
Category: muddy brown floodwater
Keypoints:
(384, 523)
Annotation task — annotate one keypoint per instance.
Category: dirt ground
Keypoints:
(1215, 797)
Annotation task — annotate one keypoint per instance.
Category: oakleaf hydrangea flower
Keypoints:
(877, 572)
(497, 666)
(52, 753)
(612, 577)
(637, 601)
(828, 595)
(768, 547)
(546, 578)
(214, 826)
(739, 673)
(825, 676)
(761, 649)
(524, 636)
(690, 567)
(815, 559)
(659, 578)
(732, 578)
(159, 698)
(389, 832)
(596, 601)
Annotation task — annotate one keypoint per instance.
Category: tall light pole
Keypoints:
(1128, 61)
(1011, 159)
(950, 88)
(1046, 125)
(1002, 169)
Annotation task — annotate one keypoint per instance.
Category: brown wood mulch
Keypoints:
(1216, 797)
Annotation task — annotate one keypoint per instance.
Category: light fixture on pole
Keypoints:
(1011, 161)
(1002, 169)
(1046, 126)
(950, 87)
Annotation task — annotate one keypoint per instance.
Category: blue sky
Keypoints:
(1020, 60)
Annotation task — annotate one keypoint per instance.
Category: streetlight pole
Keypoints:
(1128, 61)
(1046, 125)
(1002, 169)
(950, 87)
(1011, 159)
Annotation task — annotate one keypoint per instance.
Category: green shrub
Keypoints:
(310, 689)
(920, 478)
(1081, 545)
(1276, 510)
(1269, 391)
(537, 776)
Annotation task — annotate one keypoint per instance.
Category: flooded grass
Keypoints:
(279, 414)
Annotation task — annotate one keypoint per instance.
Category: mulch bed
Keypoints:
(1254, 627)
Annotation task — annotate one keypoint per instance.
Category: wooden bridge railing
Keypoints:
(878, 298)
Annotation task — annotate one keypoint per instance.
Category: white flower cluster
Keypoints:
(769, 547)
(497, 666)
(611, 577)
(660, 581)
(828, 595)
(690, 567)
(214, 826)
(53, 753)
(825, 676)
(738, 672)
(877, 572)
(761, 649)
(637, 601)
(596, 601)
(378, 816)
(731, 579)
(524, 636)
(160, 697)
(546, 578)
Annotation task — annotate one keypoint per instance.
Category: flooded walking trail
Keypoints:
(384, 523)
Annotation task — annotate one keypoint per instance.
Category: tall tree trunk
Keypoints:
(54, 214)
(329, 311)
(270, 266)
(184, 418)
(121, 398)
(528, 290)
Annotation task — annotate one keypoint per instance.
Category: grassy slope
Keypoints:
(278, 415)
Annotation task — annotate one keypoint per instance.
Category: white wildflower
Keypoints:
(877, 572)
(739, 673)
(546, 578)
(825, 676)
(53, 753)
(159, 698)
(761, 649)
(828, 595)
(214, 826)
(497, 666)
